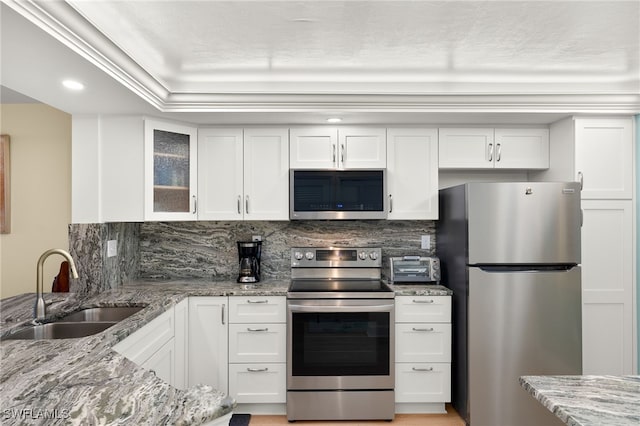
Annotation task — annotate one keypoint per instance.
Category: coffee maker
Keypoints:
(249, 261)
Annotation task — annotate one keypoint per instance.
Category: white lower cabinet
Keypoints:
(423, 353)
(207, 345)
(257, 349)
(152, 346)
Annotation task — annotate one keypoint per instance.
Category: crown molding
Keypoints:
(60, 20)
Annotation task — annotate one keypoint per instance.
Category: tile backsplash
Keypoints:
(207, 250)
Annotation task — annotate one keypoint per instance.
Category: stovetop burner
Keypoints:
(339, 289)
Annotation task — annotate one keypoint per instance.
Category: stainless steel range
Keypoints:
(340, 336)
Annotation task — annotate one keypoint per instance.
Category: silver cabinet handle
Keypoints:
(222, 312)
(246, 204)
(490, 152)
(498, 152)
(581, 180)
(390, 203)
(342, 154)
(153, 372)
(423, 301)
(422, 329)
(257, 329)
(195, 204)
(334, 153)
(257, 301)
(422, 369)
(257, 370)
(239, 204)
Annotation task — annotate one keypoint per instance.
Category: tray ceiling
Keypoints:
(182, 56)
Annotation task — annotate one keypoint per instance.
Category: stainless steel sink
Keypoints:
(110, 313)
(60, 330)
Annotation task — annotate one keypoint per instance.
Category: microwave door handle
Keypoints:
(330, 309)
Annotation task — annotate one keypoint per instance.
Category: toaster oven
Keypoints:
(414, 269)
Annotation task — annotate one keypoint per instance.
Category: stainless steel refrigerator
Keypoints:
(511, 253)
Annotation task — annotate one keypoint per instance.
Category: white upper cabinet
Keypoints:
(243, 174)
(604, 157)
(521, 149)
(170, 171)
(412, 173)
(344, 148)
(488, 148)
(465, 148)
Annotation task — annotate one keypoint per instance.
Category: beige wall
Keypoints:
(40, 194)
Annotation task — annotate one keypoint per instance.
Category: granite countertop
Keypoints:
(84, 380)
(588, 400)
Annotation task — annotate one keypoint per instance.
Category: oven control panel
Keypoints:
(336, 257)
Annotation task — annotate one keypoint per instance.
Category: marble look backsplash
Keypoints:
(207, 250)
(96, 271)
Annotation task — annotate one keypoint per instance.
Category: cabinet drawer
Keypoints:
(257, 342)
(423, 309)
(423, 382)
(423, 342)
(143, 343)
(258, 383)
(257, 309)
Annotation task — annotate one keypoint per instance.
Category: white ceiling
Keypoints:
(301, 61)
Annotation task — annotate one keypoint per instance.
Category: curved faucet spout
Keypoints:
(40, 310)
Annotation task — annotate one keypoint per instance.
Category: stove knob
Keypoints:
(309, 255)
(362, 255)
(373, 255)
(298, 255)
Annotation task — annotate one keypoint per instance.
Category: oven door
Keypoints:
(340, 344)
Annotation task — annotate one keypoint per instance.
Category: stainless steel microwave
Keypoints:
(337, 194)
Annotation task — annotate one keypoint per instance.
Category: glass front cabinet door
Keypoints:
(170, 171)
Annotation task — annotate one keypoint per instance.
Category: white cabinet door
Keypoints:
(423, 342)
(162, 363)
(146, 341)
(266, 174)
(607, 311)
(466, 148)
(412, 173)
(331, 148)
(243, 174)
(415, 309)
(258, 342)
(181, 345)
(208, 356)
(521, 148)
(220, 174)
(604, 157)
(170, 170)
(313, 147)
(362, 148)
(423, 382)
(257, 309)
(258, 383)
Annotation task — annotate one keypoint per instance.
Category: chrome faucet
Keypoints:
(40, 310)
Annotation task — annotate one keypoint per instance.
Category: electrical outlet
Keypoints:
(256, 238)
(112, 248)
(425, 242)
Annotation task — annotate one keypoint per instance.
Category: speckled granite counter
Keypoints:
(83, 381)
(588, 400)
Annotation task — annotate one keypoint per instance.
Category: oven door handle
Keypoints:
(341, 308)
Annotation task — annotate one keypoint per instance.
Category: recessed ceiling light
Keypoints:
(73, 85)
(334, 120)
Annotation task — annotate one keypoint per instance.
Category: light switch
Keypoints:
(426, 242)
(112, 248)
